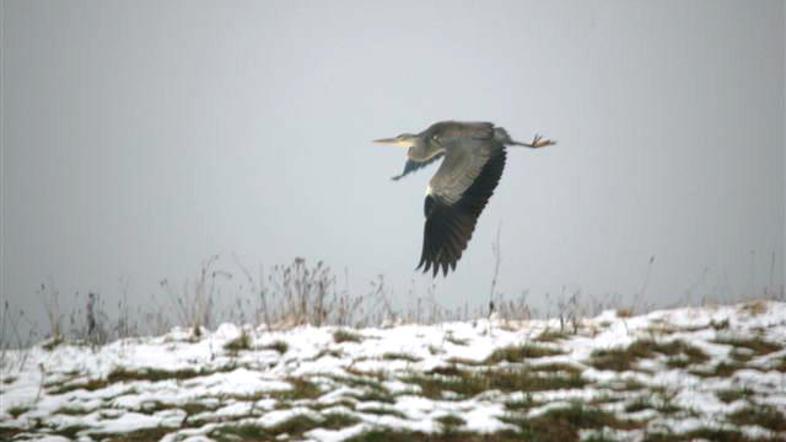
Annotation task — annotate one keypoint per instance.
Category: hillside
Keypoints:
(715, 373)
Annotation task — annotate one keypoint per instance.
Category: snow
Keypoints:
(190, 389)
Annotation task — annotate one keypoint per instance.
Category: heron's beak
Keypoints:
(391, 141)
(396, 142)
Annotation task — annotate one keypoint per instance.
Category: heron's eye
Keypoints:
(435, 137)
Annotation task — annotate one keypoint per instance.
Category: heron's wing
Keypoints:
(457, 195)
(412, 166)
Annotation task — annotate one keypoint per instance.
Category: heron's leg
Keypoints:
(537, 142)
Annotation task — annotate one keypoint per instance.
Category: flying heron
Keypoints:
(474, 157)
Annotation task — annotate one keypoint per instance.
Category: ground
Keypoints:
(712, 373)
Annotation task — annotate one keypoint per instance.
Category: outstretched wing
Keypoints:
(412, 166)
(457, 195)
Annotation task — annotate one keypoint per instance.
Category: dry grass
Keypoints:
(754, 308)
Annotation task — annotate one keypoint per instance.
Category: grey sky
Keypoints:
(142, 137)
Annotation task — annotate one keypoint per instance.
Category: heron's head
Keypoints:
(403, 140)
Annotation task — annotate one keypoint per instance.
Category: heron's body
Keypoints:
(474, 158)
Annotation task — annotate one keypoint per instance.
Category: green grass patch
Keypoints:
(280, 346)
(362, 380)
(70, 431)
(449, 370)
(52, 343)
(450, 423)
(18, 410)
(464, 361)
(402, 356)
(142, 435)
(391, 435)
(741, 354)
(383, 411)
(762, 415)
(627, 384)
(9, 379)
(564, 424)
(192, 408)
(734, 394)
(720, 370)
(518, 353)
(641, 403)
(301, 389)
(293, 427)
(154, 374)
(665, 404)
(246, 432)
(369, 382)
(89, 385)
(600, 436)
(720, 325)
(623, 359)
(73, 411)
(620, 359)
(582, 416)
(456, 341)
(470, 383)
(343, 335)
(605, 398)
(525, 403)
(551, 336)
(334, 352)
(757, 345)
(242, 342)
(555, 367)
(373, 395)
(8, 433)
(300, 424)
(709, 434)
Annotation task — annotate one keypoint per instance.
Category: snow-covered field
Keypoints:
(714, 373)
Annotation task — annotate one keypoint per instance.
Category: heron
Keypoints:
(473, 158)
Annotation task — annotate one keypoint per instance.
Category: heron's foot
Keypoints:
(538, 142)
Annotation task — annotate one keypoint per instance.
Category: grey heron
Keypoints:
(474, 157)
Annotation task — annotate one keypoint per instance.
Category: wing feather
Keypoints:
(413, 166)
(459, 192)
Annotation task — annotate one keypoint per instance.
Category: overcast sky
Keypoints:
(139, 138)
